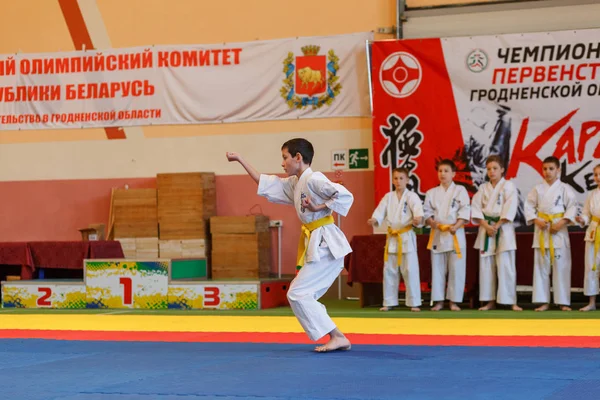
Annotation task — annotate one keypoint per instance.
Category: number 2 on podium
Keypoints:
(127, 290)
(43, 301)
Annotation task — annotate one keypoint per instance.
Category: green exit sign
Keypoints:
(358, 158)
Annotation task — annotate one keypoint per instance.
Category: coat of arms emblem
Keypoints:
(310, 79)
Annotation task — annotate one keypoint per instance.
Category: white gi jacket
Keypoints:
(447, 207)
(502, 202)
(399, 213)
(292, 190)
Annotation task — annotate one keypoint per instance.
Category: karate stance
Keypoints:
(322, 245)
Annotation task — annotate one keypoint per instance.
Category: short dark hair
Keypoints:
(597, 166)
(447, 162)
(401, 170)
(302, 146)
(551, 160)
(495, 158)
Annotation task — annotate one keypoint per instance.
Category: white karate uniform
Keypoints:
(555, 199)
(399, 213)
(591, 208)
(497, 264)
(447, 207)
(326, 248)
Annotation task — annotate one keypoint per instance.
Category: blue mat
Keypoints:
(80, 370)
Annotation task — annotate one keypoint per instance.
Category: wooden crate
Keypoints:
(140, 248)
(135, 213)
(128, 246)
(248, 224)
(241, 247)
(186, 248)
(185, 203)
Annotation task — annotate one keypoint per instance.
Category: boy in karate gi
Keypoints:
(447, 209)
(551, 206)
(493, 208)
(401, 209)
(322, 244)
(591, 217)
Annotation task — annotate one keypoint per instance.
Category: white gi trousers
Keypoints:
(561, 276)
(497, 273)
(410, 274)
(590, 279)
(456, 268)
(312, 282)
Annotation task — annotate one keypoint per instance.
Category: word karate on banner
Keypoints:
(523, 97)
(314, 77)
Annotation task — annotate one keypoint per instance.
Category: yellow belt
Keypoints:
(445, 228)
(548, 218)
(596, 239)
(398, 233)
(305, 237)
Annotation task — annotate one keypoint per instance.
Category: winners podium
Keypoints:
(143, 284)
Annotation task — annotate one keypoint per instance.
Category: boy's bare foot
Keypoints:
(454, 307)
(589, 307)
(489, 306)
(543, 307)
(516, 308)
(415, 309)
(335, 343)
(565, 308)
(384, 308)
(438, 306)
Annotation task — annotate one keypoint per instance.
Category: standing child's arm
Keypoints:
(586, 215)
(477, 209)
(531, 211)
(380, 212)
(570, 211)
(477, 212)
(429, 211)
(464, 210)
(416, 207)
(511, 204)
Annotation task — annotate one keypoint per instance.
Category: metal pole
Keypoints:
(339, 222)
(368, 48)
(279, 251)
(400, 8)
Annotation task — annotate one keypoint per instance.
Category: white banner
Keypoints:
(314, 77)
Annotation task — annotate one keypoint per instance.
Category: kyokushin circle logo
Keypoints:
(477, 60)
(400, 74)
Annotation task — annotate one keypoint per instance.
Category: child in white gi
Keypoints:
(401, 209)
(551, 206)
(322, 244)
(591, 217)
(494, 208)
(447, 209)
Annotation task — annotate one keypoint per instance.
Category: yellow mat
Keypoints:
(136, 323)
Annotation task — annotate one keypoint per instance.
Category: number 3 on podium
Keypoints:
(211, 297)
(127, 290)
